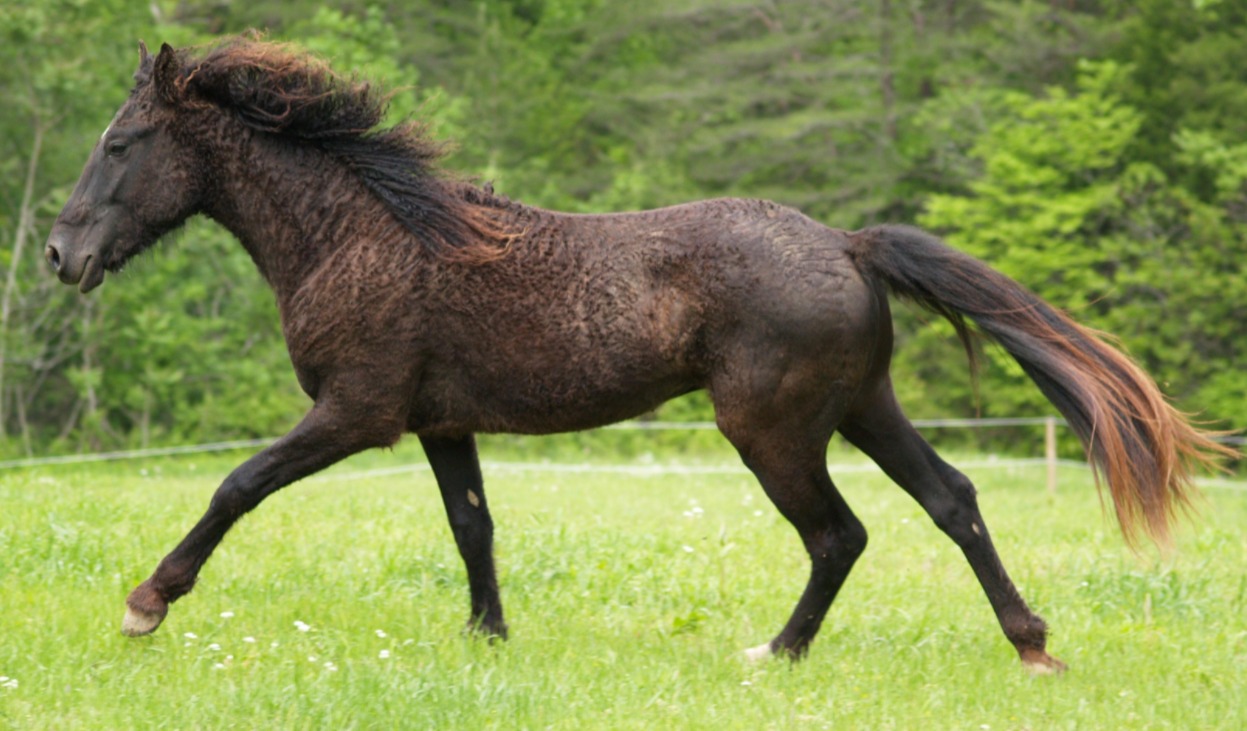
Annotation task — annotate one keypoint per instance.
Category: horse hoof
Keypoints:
(137, 624)
(759, 653)
(1038, 662)
(145, 610)
(492, 630)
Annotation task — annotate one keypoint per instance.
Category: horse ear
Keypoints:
(165, 71)
(144, 72)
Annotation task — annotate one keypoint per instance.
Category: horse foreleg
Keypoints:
(879, 428)
(458, 473)
(324, 437)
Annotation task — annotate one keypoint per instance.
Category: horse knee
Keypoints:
(841, 545)
(472, 531)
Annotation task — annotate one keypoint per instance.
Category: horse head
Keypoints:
(137, 184)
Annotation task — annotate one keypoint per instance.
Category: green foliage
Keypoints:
(203, 357)
(57, 102)
(1060, 205)
(368, 47)
(1186, 60)
(1091, 150)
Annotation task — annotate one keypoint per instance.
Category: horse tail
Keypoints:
(1145, 450)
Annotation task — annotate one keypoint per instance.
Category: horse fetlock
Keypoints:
(1027, 631)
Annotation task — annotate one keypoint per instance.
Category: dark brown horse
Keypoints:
(414, 303)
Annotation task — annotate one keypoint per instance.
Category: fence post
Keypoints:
(1049, 443)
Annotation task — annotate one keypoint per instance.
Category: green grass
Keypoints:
(629, 597)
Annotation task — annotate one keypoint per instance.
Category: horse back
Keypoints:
(591, 319)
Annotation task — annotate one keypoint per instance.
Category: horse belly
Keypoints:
(570, 396)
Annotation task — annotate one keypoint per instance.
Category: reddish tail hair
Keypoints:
(1145, 450)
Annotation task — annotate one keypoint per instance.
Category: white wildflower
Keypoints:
(384, 654)
(249, 640)
(226, 615)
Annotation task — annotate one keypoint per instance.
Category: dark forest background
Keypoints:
(1095, 151)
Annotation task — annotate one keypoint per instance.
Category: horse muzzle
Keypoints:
(74, 264)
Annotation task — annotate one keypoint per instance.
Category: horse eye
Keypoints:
(116, 148)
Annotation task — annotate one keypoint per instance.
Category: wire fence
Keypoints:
(1050, 460)
(622, 426)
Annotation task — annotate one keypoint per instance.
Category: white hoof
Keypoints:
(1056, 667)
(759, 653)
(137, 623)
(1038, 662)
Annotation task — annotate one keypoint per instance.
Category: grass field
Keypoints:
(339, 604)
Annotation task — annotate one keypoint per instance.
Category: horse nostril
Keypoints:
(54, 257)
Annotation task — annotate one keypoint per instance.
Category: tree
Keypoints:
(1061, 206)
(1114, 189)
(47, 119)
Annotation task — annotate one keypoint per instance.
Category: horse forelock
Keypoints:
(278, 89)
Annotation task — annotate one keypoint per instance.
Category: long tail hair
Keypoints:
(1145, 450)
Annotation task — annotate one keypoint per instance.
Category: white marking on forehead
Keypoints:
(110, 124)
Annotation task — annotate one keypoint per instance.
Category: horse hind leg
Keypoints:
(789, 459)
(879, 428)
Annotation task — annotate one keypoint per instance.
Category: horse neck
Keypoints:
(287, 204)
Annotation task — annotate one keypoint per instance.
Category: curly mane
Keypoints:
(278, 89)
